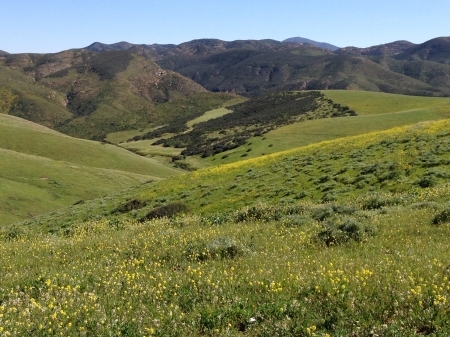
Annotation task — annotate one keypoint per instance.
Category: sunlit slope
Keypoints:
(22, 136)
(376, 112)
(400, 159)
(42, 170)
(369, 103)
(31, 185)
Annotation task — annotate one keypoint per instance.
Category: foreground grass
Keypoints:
(262, 271)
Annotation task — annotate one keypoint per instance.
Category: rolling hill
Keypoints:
(43, 170)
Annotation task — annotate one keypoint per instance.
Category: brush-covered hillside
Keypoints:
(347, 237)
(42, 170)
(91, 95)
(282, 121)
(252, 68)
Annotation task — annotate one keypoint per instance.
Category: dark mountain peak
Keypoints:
(308, 41)
(99, 47)
(436, 50)
(3, 52)
(388, 49)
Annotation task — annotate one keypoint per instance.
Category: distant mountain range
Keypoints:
(254, 67)
(106, 88)
(3, 52)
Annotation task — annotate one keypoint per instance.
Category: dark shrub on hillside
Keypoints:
(168, 211)
(342, 230)
(376, 201)
(322, 213)
(442, 217)
(221, 248)
(292, 221)
(130, 205)
(427, 181)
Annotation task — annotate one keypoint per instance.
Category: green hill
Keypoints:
(43, 170)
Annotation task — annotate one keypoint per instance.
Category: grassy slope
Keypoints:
(376, 112)
(158, 152)
(43, 170)
(26, 137)
(319, 171)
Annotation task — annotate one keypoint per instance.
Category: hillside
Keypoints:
(90, 95)
(252, 68)
(43, 170)
(319, 172)
(270, 124)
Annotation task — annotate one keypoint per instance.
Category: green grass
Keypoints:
(192, 276)
(376, 112)
(340, 168)
(370, 103)
(42, 170)
(209, 115)
(26, 137)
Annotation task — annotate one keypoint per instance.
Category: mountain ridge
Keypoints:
(315, 43)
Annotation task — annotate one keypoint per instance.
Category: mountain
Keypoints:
(98, 46)
(388, 49)
(256, 67)
(315, 43)
(90, 95)
(268, 68)
(3, 52)
(436, 50)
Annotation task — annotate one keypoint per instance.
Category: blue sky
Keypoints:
(54, 25)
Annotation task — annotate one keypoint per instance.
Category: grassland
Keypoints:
(376, 112)
(346, 237)
(43, 170)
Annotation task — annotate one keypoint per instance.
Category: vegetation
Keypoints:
(303, 269)
(90, 95)
(254, 68)
(376, 112)
(251, 118)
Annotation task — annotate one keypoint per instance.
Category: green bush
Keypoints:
(169, 211)
(342, 230)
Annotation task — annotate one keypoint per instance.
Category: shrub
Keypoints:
(130, 205)
(295, 220)
(342, 230)
(323, 212)
(442, 217)
(169, 211)
(427, 181)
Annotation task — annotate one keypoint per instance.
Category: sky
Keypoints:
(48, 26)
